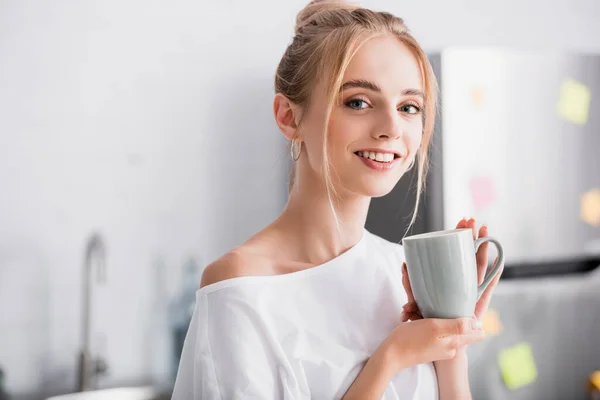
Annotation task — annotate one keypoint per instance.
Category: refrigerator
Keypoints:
(517, 146)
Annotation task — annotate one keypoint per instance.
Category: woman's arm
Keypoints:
(413, 343)
(373, 379)
(453, 377)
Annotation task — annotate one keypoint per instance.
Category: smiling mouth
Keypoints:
(377, 157)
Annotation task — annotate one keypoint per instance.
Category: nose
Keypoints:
(389, 126)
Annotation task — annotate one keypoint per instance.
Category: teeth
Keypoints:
(381, 157)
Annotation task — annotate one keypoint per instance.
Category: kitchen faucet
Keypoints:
(95, 257)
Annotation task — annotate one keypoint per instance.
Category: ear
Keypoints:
(287, 115)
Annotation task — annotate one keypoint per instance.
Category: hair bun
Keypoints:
(310, 11)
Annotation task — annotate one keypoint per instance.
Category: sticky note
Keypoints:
(595, 379)
(574, 101)
(491, 323)
(483, 192)
(517, 366)
(477, 95)
(590, 207)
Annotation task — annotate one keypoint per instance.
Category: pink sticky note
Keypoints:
(483, 192)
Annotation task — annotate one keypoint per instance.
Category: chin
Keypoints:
(378, 193)
(375, 189)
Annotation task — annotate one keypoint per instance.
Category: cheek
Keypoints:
(338, 128)
(413, 138)
(341, 132)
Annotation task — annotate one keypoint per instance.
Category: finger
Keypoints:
(410, 307)
(404, 316)
(470, 338)
(471, 224)
(406, 283)
(413, 316)
(463, 331)
(457, 326)
(461, 224)
(482, 256)
(410, 315)
(484, 301)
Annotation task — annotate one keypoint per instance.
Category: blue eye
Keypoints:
(410, 109)
(357, 104)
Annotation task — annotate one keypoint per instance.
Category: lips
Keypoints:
(380, 166)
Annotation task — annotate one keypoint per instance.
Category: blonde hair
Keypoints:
(327, 35)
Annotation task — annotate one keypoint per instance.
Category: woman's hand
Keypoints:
(411, 310)
(428, 340)
(409, 344)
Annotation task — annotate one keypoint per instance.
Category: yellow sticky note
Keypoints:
(491, 323)
(595, 380)
(590, 207)
(574, 101)
(517, 366)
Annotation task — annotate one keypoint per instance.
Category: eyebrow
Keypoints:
(362, 83)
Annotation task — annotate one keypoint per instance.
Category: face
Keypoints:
(375, 128)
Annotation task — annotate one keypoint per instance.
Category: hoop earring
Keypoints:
(295, 149)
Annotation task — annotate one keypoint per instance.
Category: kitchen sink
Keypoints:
(122, 393)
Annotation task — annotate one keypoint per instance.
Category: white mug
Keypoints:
(442, 268)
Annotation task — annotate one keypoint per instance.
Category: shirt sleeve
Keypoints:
(230, 352)
(196, 377)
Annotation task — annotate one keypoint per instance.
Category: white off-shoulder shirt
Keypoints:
(302, 335)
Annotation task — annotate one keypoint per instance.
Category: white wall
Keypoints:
(152, 122)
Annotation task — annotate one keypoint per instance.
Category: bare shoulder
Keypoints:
(245, 260)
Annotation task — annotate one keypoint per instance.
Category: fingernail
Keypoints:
(476, 324)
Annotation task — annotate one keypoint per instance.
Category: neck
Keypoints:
(308, 223)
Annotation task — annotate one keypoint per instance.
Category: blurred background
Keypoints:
(137, 144)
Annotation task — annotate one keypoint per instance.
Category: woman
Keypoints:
(311, 307)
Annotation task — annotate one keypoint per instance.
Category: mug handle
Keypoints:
(481, 288)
